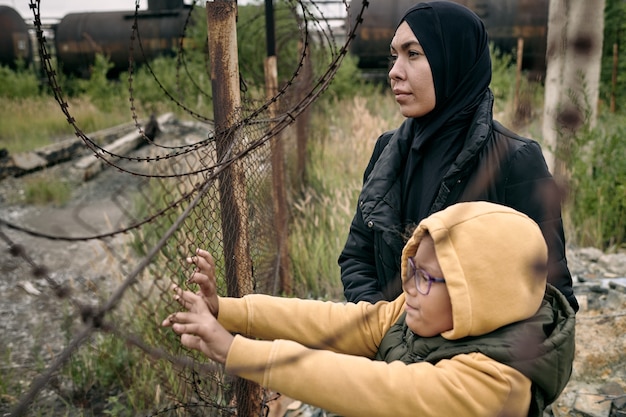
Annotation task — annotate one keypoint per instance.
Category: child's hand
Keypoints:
(204, 276)
(198, 328)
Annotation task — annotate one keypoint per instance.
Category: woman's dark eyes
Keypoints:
(411, 54)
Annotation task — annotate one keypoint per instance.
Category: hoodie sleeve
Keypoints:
(355, 329)
(467, 385)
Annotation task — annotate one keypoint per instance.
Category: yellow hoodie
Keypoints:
(493, 259)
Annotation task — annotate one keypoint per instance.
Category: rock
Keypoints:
(618, 285)
(590, 254)
(616, 392)
(614, 263)
(28, 162)
(592, 405)
(29, 287)
(92, 164)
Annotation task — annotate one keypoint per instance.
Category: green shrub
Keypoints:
(188, 84)
(103, 92)
(614, 34)
(502, 75)
(348, 83)
(597, 203)
(20, 83)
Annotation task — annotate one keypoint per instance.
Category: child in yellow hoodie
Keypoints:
(477, 330)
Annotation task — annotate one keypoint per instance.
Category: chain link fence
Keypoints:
(220, 191)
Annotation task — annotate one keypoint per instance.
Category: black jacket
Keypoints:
(494, 165)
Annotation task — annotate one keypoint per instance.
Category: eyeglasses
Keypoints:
(423, 280)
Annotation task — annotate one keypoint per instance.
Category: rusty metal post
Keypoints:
(222, 38)
(279, 193)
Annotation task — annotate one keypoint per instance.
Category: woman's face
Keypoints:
(411, 77)
(431, 314)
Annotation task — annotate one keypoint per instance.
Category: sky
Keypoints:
(56, 9)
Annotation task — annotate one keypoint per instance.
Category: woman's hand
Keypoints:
(204, 276)
(198, 328)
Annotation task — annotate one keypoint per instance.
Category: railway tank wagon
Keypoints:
(15, 43)
(505, 20)
(80, 36)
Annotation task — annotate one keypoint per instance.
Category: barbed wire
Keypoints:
(180, 188)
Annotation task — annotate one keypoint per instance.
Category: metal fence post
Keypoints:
(222, 38)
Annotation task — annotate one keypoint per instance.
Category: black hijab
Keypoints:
(456, 45)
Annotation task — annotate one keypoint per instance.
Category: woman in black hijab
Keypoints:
(448, 150)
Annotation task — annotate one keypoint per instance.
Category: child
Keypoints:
(476, 331)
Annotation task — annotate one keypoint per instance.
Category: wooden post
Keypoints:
(279, 193)
(222, 38)
(518, 72)
(614, 75)
(518, 111)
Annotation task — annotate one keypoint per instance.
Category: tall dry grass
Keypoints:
(343, 136)
(33, 122)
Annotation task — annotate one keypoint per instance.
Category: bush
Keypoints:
(597, 203)
(503, 72)
(614, 34)
(20, 83)
(348, 82)
(103, 92)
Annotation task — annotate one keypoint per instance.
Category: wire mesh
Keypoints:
(168, 199)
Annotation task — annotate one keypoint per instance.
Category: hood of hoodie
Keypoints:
(494, 261)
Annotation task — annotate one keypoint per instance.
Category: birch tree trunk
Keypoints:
(573, 57)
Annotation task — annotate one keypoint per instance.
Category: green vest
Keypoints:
(541, 347)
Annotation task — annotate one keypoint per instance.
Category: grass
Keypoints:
(596, 207)
(338, 153)
(33, 122)
(10, 385)
(41, 191)
(116, 377)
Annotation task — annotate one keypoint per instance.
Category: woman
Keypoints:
(448, 150)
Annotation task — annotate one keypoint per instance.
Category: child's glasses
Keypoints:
(423, 280)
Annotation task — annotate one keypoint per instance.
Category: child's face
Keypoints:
(431, 314)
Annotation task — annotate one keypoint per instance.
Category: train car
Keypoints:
(80, 36)
(505, 20)
(15, 43)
